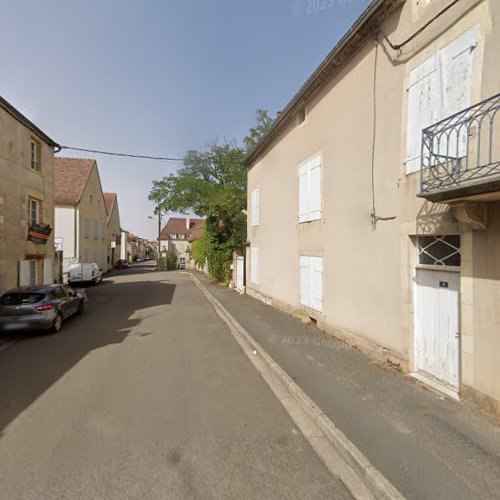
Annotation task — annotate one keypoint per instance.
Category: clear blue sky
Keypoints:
(158, 77)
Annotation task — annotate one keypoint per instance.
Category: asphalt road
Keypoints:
(147, 396)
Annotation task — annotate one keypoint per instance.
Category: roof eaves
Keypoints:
(325, 70)
(27, 123)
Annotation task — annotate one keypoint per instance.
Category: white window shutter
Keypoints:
(255, 207)
(315, 189)
(305, 281)
(304, 193)
(24, 273)
(456, 70)
(424, 103)
(47, 272)
(254, 265)
(316, 283)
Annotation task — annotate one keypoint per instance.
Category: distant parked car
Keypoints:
(139, 259)
(85, 272)
(121, 264)
(39, 308)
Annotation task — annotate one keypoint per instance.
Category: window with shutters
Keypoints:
(310, 199)
(86, 255)
(437, 89)
(96, 229)
(254, 265)
(311, 282)
(103, 231)
(256, 207)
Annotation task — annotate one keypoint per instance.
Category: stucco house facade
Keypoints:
(80, 212)
(175, 235)
(26, 201)
(388, 236)
(113, 233)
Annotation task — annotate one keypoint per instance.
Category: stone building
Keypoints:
(26, 201)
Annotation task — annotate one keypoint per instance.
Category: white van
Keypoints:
(84, 272)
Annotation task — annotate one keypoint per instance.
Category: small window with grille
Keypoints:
(439, 250)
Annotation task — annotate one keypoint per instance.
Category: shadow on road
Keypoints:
(32, 365)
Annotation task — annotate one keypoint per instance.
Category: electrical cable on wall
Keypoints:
(399, 46)
(373, 214)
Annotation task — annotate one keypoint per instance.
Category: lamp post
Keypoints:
(158, 253)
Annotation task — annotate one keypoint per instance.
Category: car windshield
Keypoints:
(17, 299)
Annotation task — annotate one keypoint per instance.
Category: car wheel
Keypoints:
(81, 307)
(57, 325)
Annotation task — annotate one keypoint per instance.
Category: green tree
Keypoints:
(213, 184)
(262, 125)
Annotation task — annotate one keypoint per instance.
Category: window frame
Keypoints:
(306, 169)
(308, 266)
(255, 206)
(435, 70)
(38, 211)
(35, 154)
(86, 227)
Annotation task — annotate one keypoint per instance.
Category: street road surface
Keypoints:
(147, 396)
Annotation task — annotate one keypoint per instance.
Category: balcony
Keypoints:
(461, 155)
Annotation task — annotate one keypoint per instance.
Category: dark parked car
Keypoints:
(121, 264)
(39, 307)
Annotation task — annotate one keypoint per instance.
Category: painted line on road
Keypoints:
(342, 458)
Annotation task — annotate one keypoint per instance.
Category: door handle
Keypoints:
(458, 335)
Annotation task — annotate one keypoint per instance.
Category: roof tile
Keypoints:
(70, 178)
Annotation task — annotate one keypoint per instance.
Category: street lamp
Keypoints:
(158, 253)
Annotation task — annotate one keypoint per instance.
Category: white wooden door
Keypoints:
(240, 273)
(437, 340)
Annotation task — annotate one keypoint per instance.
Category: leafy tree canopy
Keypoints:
(213, 184)
(262, 125)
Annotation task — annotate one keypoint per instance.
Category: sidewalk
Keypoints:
(427, 446)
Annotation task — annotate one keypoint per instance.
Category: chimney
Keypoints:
(188, 220)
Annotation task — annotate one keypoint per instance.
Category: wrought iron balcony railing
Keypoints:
(461, 150)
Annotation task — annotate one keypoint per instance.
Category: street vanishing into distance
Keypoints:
(147, 395)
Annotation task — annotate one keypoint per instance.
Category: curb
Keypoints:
(340, 455)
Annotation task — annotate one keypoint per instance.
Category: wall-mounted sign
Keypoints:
(443, 284)
(113, 244)
(39, 233)
(58, 244)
